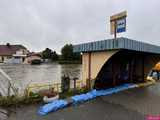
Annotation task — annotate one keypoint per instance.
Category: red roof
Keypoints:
(8, 50)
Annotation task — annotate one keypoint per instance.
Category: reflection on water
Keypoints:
(25, 74)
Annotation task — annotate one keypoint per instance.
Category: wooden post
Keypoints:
(75, 86)
(130, 70)
(115, 29)
(115, 33)
(113, 73)
(89, 71)
(9, 88)
(143, 68)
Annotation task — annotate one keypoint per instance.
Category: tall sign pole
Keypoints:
(118, 25)
(115, 30)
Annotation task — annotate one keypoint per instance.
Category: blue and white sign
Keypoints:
(121, 25)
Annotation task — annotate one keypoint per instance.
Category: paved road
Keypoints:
(132, 104)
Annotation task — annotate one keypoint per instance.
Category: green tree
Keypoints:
(77, 56)
(54, 56)
(47, 53)
(67, 53)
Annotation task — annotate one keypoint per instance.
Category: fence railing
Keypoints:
(35, 87)
(7, 88)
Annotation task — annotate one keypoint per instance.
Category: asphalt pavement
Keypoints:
(133, 104)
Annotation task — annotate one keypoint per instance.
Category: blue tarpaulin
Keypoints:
(115, 89)
(51, 107)
(84, 97)
(58, 104)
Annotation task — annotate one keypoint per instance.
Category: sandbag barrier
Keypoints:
(59, 104)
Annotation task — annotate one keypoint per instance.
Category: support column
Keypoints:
(89, 71)
(113, 73)
(115, 33)
(143, 68)
(130, 70)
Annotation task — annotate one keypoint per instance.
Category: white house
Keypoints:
(13, 53)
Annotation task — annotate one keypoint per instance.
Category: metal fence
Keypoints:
(35, 87)
(6, 86)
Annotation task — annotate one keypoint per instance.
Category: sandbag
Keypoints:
(50, 107)
(58, 104)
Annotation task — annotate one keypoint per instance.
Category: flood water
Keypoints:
(23, 75)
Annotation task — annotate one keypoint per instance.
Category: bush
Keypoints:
(35, 62)
(14, 100)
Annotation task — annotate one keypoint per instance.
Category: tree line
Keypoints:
(67, 54)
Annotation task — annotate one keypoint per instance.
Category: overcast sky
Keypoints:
(38, 24)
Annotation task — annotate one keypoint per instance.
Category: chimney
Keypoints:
(8, 44)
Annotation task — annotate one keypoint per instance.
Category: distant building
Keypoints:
(33, 56)
(13, 53)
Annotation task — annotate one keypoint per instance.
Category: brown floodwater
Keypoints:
(133, 104)
(24, 74)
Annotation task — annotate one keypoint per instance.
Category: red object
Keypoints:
(7, 50)
(151, 117)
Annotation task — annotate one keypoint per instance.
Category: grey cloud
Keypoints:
(52, 23)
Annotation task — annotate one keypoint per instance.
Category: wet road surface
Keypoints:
(97, 109)
(133, 104)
